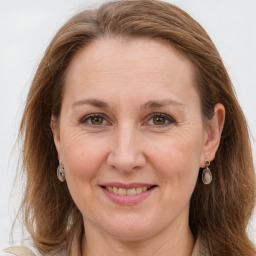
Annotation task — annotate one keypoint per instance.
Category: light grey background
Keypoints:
(26, 28)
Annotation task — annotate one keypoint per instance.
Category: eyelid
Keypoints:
(85, 118)
(170, 119)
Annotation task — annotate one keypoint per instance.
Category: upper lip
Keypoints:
(127, 186)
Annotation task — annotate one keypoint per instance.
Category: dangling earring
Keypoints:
(207, 175)
(61, 172)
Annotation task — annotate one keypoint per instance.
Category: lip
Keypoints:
(127, 199)
(127, 186)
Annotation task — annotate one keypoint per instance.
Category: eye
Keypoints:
(96, 120)
(160, 119)
(93, 120)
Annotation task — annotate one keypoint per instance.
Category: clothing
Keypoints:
(28, 250)
(19, 251)
(200, 248)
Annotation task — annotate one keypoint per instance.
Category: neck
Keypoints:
(178, 242)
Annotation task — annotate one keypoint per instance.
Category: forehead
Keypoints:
(124, 52)
(144, 65)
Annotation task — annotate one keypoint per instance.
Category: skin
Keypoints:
(130, 145)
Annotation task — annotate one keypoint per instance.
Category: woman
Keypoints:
(133, 107)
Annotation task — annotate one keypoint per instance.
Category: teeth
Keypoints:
(115, 190)
(138, 190)
(122, 192)
(110, 189)
(129, 191)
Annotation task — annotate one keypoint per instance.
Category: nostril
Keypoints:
(125, 163)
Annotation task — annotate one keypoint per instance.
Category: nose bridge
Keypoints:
(126, 153)
(126, 137)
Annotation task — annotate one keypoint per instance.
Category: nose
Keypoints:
(126, 154)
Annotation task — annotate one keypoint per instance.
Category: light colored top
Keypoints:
(29, 250)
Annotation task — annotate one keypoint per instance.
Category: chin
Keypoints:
(130, 229)
(130, 235)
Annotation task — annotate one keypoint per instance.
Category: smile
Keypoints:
(130, 194)
(129, 191)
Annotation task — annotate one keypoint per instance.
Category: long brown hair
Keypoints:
(219, 212)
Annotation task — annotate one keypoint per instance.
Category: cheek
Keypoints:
(82, 158)
(177, 158)
(82, 155)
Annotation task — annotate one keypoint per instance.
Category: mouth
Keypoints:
(132, 191)
(127, 194)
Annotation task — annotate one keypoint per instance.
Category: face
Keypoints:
(130, 136)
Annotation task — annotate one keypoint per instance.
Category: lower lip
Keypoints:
(128, 200)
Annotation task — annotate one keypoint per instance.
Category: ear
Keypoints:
(212, 136)
(56, 134)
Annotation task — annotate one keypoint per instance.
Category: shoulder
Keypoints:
(19, 251)
(25, 250)
(200, 248)
(3, 253)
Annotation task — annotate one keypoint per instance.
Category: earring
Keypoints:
(207, 175)
(61, 172)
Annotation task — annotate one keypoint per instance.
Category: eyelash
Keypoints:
(87, 118)
(168, 119)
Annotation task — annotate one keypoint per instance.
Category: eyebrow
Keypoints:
(93, 102)
(158, 104)
(148, 105)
